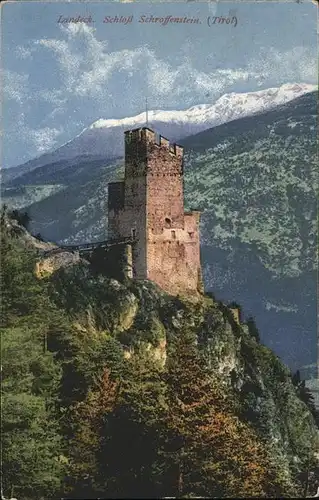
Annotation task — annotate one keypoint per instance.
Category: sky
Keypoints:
(58, 78)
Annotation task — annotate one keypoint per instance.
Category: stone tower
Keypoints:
(149, 207)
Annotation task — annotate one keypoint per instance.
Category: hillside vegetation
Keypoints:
(117, 390)
(255, 179)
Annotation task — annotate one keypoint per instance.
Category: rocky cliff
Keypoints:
(140, 314)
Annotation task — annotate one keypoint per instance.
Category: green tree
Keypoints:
(305, 395)
(31, 444)
(252, 328)
(129, 456)
(208, 451)
(32, 461)
(23, 218)
(87, 422)
(235, 305)
(110, 262)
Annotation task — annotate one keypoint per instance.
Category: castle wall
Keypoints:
(133, 224)
(151, 208)
(191, 225)
(115, 204)
(173, 258)
(165, 198)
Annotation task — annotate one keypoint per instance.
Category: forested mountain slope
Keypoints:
(114, 389)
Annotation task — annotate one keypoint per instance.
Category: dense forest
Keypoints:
(112, 389)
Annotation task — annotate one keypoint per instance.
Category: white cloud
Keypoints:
(43, 139)
(87, 72)
(55, 96)
(39, 139)
(34, 141)
(23, 52)
(15, 86)
(299, 64)
(87, 69)
(69, 61)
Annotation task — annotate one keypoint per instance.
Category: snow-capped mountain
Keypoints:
(226, 108)
(105, 136)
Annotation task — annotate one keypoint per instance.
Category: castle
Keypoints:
(148, 207)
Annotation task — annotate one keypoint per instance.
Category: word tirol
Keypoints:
(213, 20)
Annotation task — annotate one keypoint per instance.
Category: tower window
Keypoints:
(168, 222)
(133, 233)
(173, 235)
(191, 235)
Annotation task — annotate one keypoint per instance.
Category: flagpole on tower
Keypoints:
(146, 111)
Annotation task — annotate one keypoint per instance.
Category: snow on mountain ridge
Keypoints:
(105, 137)
(200, 112)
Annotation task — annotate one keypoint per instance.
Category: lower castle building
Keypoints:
(148, 207)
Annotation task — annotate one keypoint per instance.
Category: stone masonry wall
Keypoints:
(174, 258)
(167, 250)
(115, 208)
(165, 197)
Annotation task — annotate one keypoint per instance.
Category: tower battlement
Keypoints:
(148, 136)
(149, 206)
